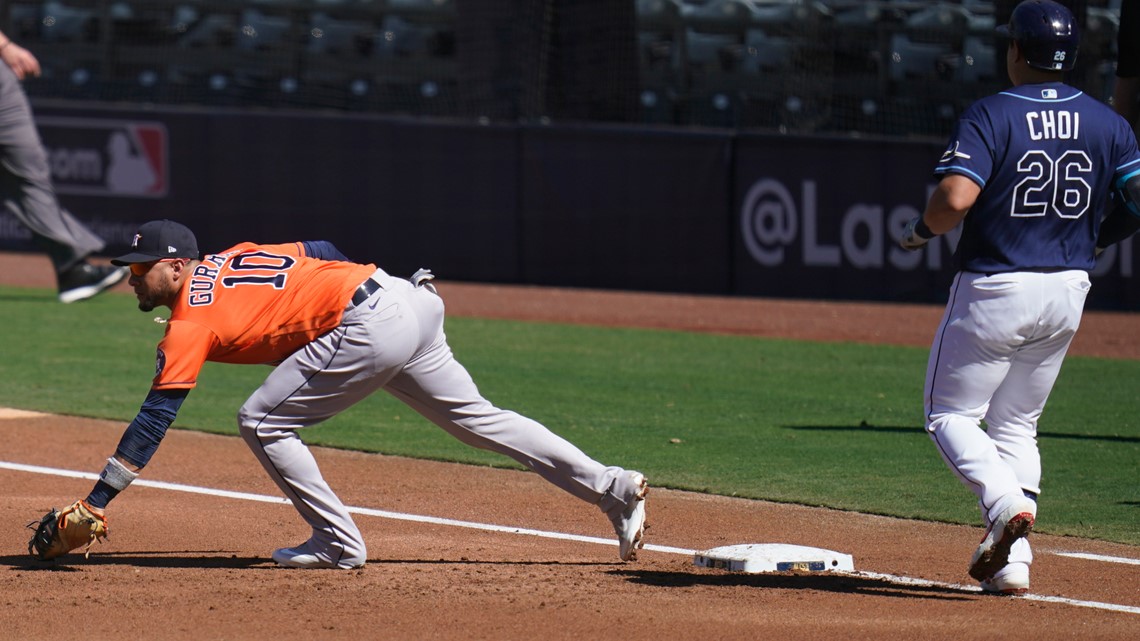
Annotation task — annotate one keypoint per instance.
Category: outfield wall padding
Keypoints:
(613, 207)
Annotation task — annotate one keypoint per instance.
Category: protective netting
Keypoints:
(838, 66)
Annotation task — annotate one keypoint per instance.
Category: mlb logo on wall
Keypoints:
(95, 157)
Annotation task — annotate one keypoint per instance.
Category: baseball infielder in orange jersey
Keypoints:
(336, 331)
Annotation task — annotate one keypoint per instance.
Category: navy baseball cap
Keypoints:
(160, 239)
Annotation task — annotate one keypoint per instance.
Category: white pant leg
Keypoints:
(399, 344)
(437, 386)
(314, 384)
(996, 356)
(1019, 402)
(970, 356)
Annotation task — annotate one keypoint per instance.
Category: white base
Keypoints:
(755, 558)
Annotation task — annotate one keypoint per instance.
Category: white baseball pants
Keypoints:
(395, 341)
(995, 358)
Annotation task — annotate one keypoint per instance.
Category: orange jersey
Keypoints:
(252, 304)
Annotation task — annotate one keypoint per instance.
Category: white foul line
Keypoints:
(1098, 557)
(262, 498)
(902, 580)
(384, 514)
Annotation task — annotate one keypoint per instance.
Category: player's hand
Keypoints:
(912, 238)
(22, 62)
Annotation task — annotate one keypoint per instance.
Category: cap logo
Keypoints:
(135, 242)
(170, 250)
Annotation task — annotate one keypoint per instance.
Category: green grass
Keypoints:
(827, 424)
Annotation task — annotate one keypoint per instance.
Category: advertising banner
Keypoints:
(818, 218)
(626, 209)
(686, 211)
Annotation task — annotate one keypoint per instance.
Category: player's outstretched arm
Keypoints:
(137, 445)
(85, 522)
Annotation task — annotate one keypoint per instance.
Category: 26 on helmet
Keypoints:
(1046, 32)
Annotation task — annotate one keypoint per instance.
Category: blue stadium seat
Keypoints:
(24, 19)
(941, 23)
(720, 16)
(920, 60)
(263, 32)
(709, 51)
(421, 6)
(764, 53)
(64, 23)
(862, 32)
(399, 38)
(660, 34)
(658, 15)
(214, 30)
(661, 45)
(344, 38)
(930, 44)
(979, 62)
(430, 12)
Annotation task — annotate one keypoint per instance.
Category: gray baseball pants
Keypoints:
(395, 341)
(25, 182)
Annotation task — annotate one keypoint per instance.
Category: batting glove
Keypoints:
(915, 234)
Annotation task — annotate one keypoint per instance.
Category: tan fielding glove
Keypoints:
(58, 533)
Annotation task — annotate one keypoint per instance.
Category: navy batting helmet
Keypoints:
(1047, 33)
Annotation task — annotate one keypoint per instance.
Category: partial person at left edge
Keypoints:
(27, 191)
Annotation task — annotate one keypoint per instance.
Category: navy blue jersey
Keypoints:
(1046, 157)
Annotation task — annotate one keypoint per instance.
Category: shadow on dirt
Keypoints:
(819, 582)
(467, 561)
(207, 559)
(196, 559)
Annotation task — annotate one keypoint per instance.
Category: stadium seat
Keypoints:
(979, 63)
(427, 12)
(929, 45)
(765, 63)
(862, 31)
(920, 60)
(342, 38)
(423, 7)
(663, 16)
(941, 23)
(765, 53)
(24, 20)
(214, 30)
(709, 52)
(661, 46)
(263, 32)
(64, 23)
(720, 16)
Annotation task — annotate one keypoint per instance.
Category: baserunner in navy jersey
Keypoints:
(1028, 173)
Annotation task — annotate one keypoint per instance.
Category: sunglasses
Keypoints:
(140, 269)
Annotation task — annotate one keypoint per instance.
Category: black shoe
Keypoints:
(85, 280)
